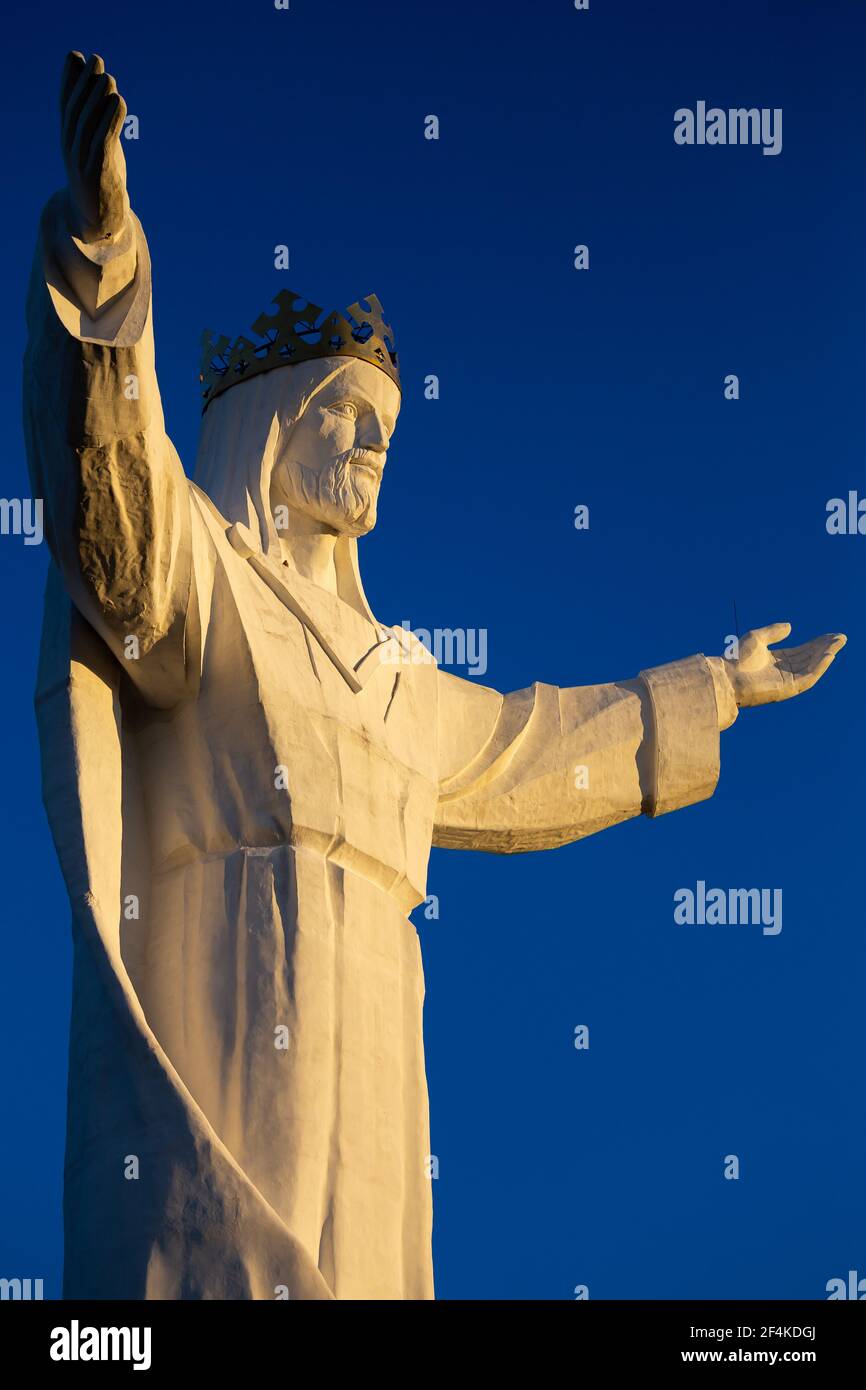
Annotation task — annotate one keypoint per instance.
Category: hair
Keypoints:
(240, 436)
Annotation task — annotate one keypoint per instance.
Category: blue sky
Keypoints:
(558, 388)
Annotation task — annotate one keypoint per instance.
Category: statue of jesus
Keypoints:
(244, 772)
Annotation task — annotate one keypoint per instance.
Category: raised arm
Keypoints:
(115, 497)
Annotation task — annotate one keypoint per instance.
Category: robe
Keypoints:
(244, 775)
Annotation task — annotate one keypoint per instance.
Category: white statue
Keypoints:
(245, 771)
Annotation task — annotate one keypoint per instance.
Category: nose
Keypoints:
(374, 435)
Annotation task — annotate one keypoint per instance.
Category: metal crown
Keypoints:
(292, 335)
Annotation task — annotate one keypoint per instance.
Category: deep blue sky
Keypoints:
(261, 127)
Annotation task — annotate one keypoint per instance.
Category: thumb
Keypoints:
(774, 632)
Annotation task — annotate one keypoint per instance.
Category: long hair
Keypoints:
(238, 446)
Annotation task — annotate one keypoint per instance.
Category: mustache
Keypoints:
(368, 457)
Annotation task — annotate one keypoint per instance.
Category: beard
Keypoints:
(341, 495)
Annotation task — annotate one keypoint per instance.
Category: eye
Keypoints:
(347, 409)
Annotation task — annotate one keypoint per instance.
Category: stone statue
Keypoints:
(244, 772)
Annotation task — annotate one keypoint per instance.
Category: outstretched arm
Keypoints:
(545, 766)
(116, 500)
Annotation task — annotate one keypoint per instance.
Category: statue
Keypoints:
(244, 772)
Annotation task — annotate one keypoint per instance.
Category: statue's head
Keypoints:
(329, 458)
(328, 391)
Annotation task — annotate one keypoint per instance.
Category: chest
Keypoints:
(343, 710)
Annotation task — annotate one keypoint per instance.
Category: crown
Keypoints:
(292, 335)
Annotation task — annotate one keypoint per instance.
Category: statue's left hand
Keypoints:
(760, 677)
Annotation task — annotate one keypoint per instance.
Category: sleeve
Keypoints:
(545, 766)
(116, 501)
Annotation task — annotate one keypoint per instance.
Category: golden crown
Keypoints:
(293, 335)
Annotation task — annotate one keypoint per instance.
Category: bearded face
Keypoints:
(329, 466)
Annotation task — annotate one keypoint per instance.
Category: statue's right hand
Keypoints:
(92, 112)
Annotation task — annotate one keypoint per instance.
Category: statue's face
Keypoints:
(330, 464)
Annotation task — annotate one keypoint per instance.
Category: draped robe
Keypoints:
(243, 802)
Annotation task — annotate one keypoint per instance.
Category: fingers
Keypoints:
(91, 115)
(93, 68)
(774, 632)
(807, 664)
(72, 69)
(112, 118)
(803, 658)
